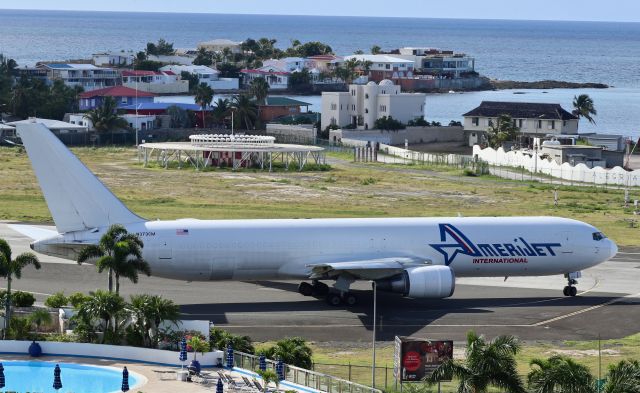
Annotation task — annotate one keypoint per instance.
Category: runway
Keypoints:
(532, 308)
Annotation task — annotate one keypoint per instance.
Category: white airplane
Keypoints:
(415, 257)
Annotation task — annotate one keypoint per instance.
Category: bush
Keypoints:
(19, 328)
(77, 299)
(56, 300)
(22, 299)
(219, 339)
(293, 351)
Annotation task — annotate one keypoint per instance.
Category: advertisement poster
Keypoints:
(415, 359)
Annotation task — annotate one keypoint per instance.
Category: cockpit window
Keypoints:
(598, 236)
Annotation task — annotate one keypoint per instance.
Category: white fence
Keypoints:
(116, 352)
(579, 173)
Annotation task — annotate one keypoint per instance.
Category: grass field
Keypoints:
(347, 190)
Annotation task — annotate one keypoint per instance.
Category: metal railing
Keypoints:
(302, 377)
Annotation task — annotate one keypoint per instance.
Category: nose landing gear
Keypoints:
(572, 279)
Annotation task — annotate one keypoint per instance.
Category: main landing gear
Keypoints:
(333, 297)
(572, 279)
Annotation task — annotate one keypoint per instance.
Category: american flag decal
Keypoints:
(182, 232)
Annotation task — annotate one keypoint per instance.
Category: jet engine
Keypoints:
(435, 282)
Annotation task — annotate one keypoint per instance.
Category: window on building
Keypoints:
(387, 66)
(552, 125)
(475, 121)
(353, 92)
(564, 123)
(490, 123)
(539, 125)
(366, 96)
(340, 106)
(366, 110)
(519, 123)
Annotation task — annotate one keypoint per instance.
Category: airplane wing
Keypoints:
(33, 232)
(370, 269)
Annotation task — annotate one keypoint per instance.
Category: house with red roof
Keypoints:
(158, 82)
(123, 96)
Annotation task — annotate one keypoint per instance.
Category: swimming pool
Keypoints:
(27, 376)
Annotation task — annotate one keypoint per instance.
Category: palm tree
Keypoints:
(559, 374)
(150, 311)
(40, 317)
(120, 253)
(246, 110)
(10, 268)
(204, 96)
(293, 351)
(105, 117)
(268, 376)
(104, 306)
(501, 131)
(259, 88)
(487, 364)
(221, 110)
(219, 339)
(583, 107)
(623, 377)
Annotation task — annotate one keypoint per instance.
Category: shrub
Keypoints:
(56, 300)
(219, 339)
(77, 299)
(19, 328)
(22, 299)
(293, 351)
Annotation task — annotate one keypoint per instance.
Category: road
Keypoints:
(532, 308)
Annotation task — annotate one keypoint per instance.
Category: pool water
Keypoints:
(38, 377)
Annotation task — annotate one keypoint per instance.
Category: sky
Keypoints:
(585, 10)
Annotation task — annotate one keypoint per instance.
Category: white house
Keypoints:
(110, 59)
(385, 66)
(158, 82)
(205, 74)
(136, 122)
(444, 63)
(88, 76)
(362, 105)
(289, 64)
(277, 78)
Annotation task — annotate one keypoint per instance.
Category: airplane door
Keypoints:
(567, 241)
(165, 252)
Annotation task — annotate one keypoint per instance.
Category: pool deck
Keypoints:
(152, 373)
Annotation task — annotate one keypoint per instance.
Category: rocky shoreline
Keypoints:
(543, 85)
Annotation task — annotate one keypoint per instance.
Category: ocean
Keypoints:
(517, 50)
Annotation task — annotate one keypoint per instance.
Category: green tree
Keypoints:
(56, 300)
(486, 364)
(246, 111)
(179, 118)
(219, 339)
(198, 345)
(268, 376)
(29, 97)
(76, 299)
(203, 57)
(388, 123)
(7, 67)
(105, 307)
(501, 131)
(312, 48)
(120, 253)
(147, 65)
(105, 118)
(10, 269)
(559, 374)
(228, 70)
(259, 88)
(162, 48)
(583, 107)
(40, 317)
(375, 50)
(192, 78)
(204, 96)
(149, 312)
(623, 377)
(293, 351)
(221, 110)
(300, 81)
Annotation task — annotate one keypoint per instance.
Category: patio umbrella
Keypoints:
(229, 356)
(263, 363)
(125, 380)
(219, 387)
(280, 369)
(1, 376)
(57, 382)
(183, 351)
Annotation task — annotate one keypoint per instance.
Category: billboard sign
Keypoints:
(416, 359)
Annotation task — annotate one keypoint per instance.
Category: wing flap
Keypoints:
(370, 269)
(32, 232)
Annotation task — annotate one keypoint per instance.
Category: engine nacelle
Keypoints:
(435, 282)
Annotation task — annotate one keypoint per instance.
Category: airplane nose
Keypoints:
(613, 249)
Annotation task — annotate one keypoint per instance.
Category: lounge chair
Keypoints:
(166, 375)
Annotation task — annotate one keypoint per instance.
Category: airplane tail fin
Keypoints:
(76, 198)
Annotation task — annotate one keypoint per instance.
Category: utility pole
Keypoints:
(373, 367)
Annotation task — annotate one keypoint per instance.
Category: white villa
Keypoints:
(205, 74)
(362, 105)
(88, 76)
(110, 59)
(158, 82)
(385, 66)
(218, 45)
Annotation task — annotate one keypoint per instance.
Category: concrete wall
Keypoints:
(292, 131)
(225, 84)
(579, 173)
(179, 87)
(413, 134)
(143, 355)
(529, 126)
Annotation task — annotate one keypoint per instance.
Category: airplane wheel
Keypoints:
(334, 299)
(320, 289)
(305, 289)
(350, 299)
(565, 291)
(573, 291)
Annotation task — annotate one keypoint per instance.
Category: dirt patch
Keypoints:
(577, 353)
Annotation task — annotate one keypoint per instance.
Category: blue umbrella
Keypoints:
(1, 376)
(183, 350)
(263, 363)
(125, 380)
(219, 387)
(280, 369)
(229, 356)
(57, 382)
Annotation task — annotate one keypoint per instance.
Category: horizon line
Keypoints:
(322, 16)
